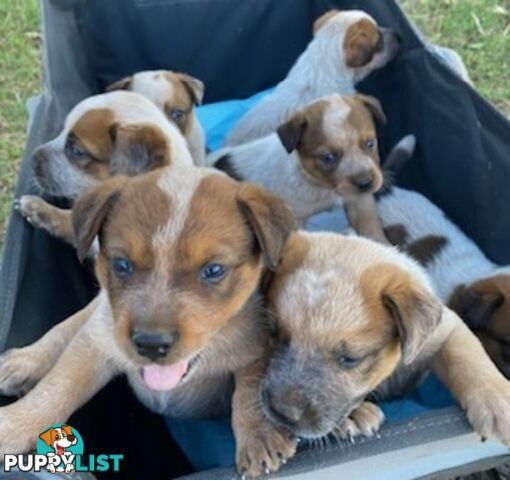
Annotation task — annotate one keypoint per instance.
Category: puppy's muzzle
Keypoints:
(288, 410)
(365, 182)
(392, 42)
(153, 345)
(40, 163)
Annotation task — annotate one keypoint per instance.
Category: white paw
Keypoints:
(365, 420)
(33, 208)
(19, 371)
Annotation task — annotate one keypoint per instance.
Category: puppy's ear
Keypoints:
(194, 86)
(90, 212)
(139, 148)
(291, 132)
(360, 44)
(374, 107)
(122, 84)
(270, 219)
(475, 308)
(414, 309)
(67, 429)
(48, 437)
(323, 19)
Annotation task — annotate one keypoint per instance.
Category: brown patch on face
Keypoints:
(187, 92)
(415, 311)
(485, 306)
(139, 148)
(362, 41)
(89, 145)
(323, 19)
(425, 249)
(337, 144)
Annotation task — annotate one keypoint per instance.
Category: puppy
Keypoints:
(354, 320)
(323, 156)
(59, 439)
(347, 46)
(103, 136)
(175, 94)
(464, 278)
(179, 311)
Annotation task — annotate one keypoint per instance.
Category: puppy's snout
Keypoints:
(364, 181)
(153, 345)
(71, 438)
(40, 162)
(392, 41)
(287, 408)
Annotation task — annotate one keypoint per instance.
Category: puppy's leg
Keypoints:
(80, 372)
(22, 368)
(40, 214)
(480, 388)
(260, 446)
(365, 420)
(362, 215)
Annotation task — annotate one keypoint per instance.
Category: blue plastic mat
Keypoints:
(210, 443)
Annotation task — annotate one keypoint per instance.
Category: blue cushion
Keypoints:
(210, 443)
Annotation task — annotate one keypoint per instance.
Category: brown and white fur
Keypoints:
(323, 156)
(464, 278)
(347, 46)
(180, 336)
(117, 133)
(353, 319)
(176, 94)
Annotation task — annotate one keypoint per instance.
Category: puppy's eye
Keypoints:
(348, 362)
(177, 114)
(73, 150)
(329, 159)
(213, 273)
(370, 144)
(122, 267)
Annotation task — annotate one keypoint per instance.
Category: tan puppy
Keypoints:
(175, 94)
(118, 133)
(347, 46)
(325, 155)
(181, 254)
(353, 318)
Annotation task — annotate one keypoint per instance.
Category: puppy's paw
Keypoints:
(488, 410)
(263, 452)
(18, 431)
(365, 420)
(35, 210)
(19, 371)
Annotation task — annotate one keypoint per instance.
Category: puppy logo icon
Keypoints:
(61, 444)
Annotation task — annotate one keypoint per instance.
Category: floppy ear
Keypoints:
(476, 309)
(323, 19)
(67, 429)
(270, 219)
(194, 86)
(415, 310)
(48, 437)
(122, 84)
(90, 211)
(139, 148)
(374, 107)
(291, 132)
(359, 48)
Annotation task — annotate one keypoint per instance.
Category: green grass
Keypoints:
(19, 79)
(478, 29)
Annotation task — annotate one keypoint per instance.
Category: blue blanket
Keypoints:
(210, 443)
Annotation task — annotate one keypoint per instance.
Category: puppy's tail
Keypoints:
(395, 161)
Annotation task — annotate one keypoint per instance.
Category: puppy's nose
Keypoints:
(153, 345)
(71, 438)
(285, 410)
(39, 162)
(364, 181)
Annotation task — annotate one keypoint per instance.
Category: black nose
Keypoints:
(153, 345)
(39, 162)
(283, 410)
(364, 181)
(71, 438)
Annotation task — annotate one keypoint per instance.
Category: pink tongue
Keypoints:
(166, 377)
